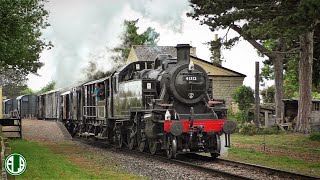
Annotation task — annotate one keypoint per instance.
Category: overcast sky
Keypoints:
(83, 29)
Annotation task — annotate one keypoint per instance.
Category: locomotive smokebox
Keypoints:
(183, 53)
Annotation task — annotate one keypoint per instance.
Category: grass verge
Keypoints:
(290, 152)
(62, 161)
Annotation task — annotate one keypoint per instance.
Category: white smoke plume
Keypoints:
(82, 29)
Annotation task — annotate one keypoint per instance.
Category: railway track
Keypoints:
(200, 159)
(281, 173)
(220, 167)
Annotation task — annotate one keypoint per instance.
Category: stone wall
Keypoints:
(223, 87)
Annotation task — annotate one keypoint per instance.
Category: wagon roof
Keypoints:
(296, 99)
(19, 97)
(67, 92)
(7, 100)
(49, 92)
(97, 81)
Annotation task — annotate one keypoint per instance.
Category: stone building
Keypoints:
(224, 80)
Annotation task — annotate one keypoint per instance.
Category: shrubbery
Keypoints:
(315, 136)
(250, 129)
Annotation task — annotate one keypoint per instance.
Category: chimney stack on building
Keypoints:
(215, 51)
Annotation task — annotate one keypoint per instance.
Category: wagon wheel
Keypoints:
(171, 149)
(131, 138)
(153, 146)
(118, 137)
(143, 142)
(141, 136)
(217, 147)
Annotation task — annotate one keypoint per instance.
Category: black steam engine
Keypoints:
(158, 106)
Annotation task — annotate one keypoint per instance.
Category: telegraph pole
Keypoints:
(257, 97)
(0, 98)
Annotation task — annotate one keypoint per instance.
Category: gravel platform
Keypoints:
(42, 130)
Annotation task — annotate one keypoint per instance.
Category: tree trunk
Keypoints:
(278, 79)
(305, 83)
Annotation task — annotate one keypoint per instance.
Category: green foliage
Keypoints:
(13, 90)
(315, 136)
(291, 78)
(27, 91)
(244, 96)
(267, 73)
(21, 25)
(13, 81)
(268, 94)
(248, 129)
(240, 117)
(131, 37)
(262, 19)
(50, 86)
(262, 23)
(314, 95)
(93, 73)
(251, 129)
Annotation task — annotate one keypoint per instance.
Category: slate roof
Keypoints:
(149, 53)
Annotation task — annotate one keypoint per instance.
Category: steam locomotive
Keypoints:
(157, 106)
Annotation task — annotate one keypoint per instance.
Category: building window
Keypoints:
(316, 106)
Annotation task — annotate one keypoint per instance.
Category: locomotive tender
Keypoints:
(159, 106)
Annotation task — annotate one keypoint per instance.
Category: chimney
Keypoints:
(183, 53)
(193, 51)
(215, 51)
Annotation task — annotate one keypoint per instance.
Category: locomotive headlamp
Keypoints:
(176, 128)
(229, 127)
(191, 66)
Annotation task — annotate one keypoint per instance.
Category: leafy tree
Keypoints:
(284, 21)
(93, 73)
(21, 24)
(291, 81)
(251, 22)
(13, 82)
(131, 37)
(244, 96)
(28, 91)
(50, 86)
(268, 94)
(13, 90)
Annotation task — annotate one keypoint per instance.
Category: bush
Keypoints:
(240, 117)
(315, 136)
(250, 129)
(271, 130)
